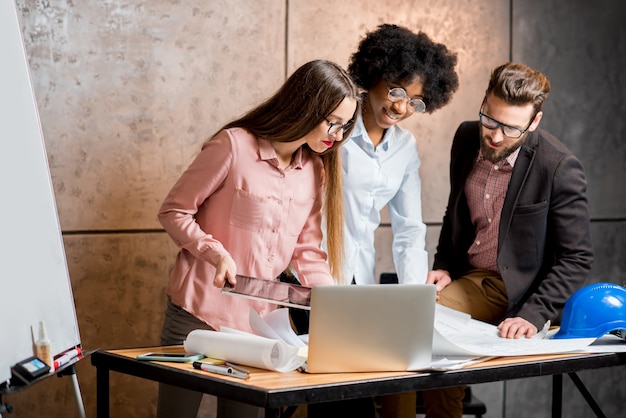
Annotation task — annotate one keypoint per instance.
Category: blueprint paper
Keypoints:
(457, 334)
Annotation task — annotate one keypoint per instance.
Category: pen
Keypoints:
(67, 357)
(222, 369)
(236, 367)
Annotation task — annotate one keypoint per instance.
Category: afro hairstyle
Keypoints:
(396, 54)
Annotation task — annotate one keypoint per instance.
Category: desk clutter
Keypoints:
(348, 335)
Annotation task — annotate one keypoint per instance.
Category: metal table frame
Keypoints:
(278, 398)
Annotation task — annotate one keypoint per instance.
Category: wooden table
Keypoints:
(276, 391)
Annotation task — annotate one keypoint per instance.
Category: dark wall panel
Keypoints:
(581, 47)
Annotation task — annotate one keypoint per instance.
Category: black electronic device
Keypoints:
(28, 370)
(270, 291)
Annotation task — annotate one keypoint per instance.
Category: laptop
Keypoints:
(366, 328)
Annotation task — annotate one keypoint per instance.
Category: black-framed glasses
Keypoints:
(335, 127)
(508, 131)
(398, 94)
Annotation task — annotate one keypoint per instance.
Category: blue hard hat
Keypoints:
(593, 311)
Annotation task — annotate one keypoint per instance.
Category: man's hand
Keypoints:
(226, 269)
(516, 328)
(440, 278)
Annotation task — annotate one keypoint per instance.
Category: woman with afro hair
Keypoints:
(401, 73)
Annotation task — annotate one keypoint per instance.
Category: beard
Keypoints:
(495, 156)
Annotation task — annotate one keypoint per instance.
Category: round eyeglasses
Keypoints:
(508, 131)
(335, 127)
(398, 94)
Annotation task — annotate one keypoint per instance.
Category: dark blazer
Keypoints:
(544, 241)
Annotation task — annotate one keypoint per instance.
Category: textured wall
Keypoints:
(127, 92)
(128, 89)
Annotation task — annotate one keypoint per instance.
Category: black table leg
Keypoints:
(272, 413)
(583, 391)
(102, 392)
(557, 395)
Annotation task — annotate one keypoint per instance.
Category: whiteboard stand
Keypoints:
(67, 370)
(71, 372)
(25, 178)
(5, 408)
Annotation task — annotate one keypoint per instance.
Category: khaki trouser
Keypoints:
(401, 405)
(481, 294)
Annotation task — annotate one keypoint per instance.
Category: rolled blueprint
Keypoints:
(245, 349)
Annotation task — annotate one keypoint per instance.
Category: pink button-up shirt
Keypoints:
(235, 199)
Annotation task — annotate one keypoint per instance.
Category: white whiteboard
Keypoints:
(34, 280)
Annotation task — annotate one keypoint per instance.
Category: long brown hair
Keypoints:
(308, 96)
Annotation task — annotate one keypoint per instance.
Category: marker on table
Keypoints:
(67, 357)
(226, 369)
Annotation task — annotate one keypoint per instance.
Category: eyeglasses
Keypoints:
(398, 94)
(335, 127)
(508, 131)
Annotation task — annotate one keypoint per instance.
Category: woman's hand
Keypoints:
(226, 269)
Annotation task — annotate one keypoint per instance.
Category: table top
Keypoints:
(273, 389)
